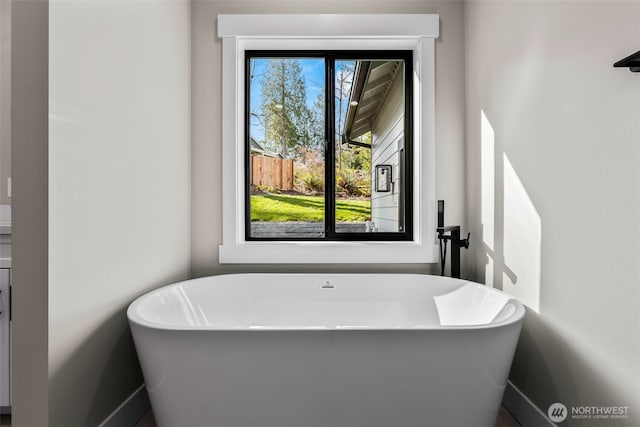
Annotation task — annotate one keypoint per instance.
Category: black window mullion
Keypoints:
(329, 160)
(408, 144)
(247, 153)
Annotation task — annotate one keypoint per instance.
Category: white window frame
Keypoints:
(416, 32)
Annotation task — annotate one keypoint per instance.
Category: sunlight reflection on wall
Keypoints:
(487, 164)
(522, 240)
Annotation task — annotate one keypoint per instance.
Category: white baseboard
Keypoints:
(523, 409)
(130, 411)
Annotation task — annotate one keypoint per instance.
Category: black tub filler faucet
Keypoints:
(446, 234)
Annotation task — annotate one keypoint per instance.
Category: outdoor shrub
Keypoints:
(354, 182)
(267, 189)
(308, 182)
(309, 173)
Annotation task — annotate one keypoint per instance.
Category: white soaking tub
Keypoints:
(323, 350)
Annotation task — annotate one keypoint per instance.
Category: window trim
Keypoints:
(331, 57)
(240, 33)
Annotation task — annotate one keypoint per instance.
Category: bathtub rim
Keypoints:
(134, 318)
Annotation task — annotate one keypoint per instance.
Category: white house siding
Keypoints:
(387, 133)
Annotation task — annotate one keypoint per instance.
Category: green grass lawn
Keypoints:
(283, 208)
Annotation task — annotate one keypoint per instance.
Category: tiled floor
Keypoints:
(504, 420)
(147, 420)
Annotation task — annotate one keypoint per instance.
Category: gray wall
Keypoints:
(29, 127)
(206, 176)
(5, 99)
(563, 164)
(119, 201)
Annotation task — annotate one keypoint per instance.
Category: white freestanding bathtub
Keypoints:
(322, 350)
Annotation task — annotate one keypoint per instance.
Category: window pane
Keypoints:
(370, 155)
(286, 147)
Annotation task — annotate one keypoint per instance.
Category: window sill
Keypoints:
(326, 253)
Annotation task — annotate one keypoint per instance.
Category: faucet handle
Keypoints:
(464, 243)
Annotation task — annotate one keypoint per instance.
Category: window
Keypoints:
(328, 140)
(402, 41)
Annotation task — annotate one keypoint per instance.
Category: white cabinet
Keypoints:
(5, 340)
(5, 308)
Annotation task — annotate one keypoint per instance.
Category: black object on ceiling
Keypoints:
(631, 61)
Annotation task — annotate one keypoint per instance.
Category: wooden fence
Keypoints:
(272, 172)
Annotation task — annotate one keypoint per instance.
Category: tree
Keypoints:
(290, 126)
(344, 80)
(317, 124)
